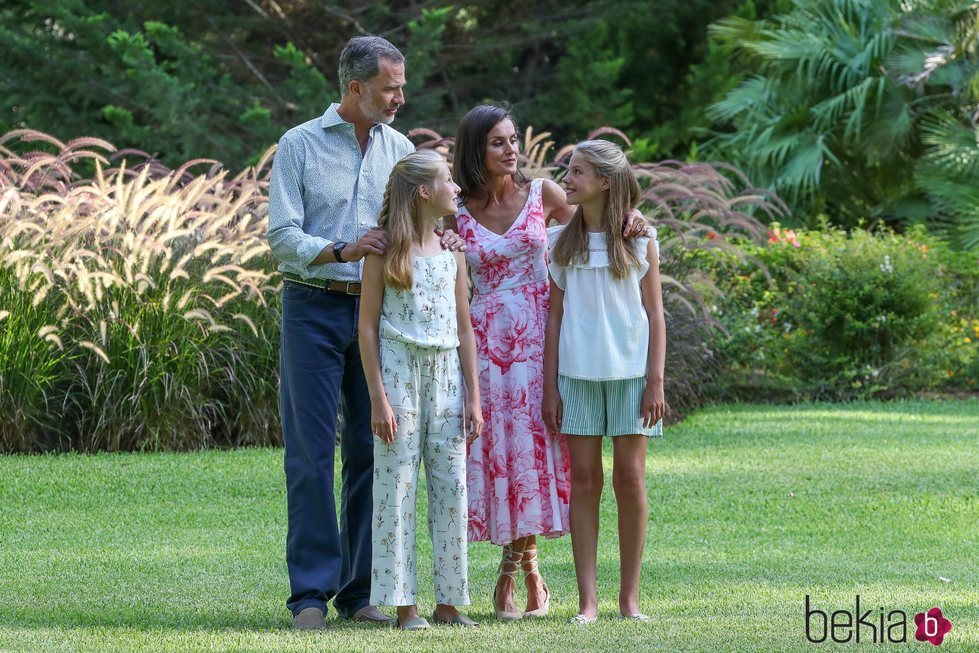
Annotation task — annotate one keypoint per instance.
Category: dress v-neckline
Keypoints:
(523, 212)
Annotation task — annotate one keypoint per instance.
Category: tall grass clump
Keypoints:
(138, 309)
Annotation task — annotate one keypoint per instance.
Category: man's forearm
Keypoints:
(290, 244)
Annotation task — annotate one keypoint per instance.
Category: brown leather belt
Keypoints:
(345, 287)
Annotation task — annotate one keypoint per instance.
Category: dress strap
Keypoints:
(535, 200)
(536, 188)
(462, 215)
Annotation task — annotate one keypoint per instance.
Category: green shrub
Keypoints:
(831, 315)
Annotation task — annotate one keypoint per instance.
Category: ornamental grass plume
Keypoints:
(138, 302)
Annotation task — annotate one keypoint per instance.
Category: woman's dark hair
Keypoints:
(468, 159)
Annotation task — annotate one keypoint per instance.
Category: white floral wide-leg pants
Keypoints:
(424, 388)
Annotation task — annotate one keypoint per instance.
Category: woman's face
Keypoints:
(502, 146)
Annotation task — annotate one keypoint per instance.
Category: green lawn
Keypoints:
(752, 508)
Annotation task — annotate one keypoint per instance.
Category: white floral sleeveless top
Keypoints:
(424, 316)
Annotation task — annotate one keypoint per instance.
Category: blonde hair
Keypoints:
(401, 212)
(623, 195)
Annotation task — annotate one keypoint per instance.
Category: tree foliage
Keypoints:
(221, 79)
(860, 109)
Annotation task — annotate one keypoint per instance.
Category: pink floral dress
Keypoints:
(518, 476)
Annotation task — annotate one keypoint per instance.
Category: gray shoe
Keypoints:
(371, 614)
(311, 618)
(458, 620)
(415, 623)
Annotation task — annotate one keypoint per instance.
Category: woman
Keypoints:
(518, 478)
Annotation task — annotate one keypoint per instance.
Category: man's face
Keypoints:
(383, 94)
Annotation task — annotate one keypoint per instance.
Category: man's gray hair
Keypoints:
(360, 59)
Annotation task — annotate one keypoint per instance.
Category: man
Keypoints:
(327, 186)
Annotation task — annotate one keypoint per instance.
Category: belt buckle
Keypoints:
(347, 288)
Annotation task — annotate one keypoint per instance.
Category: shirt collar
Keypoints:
(331, 118)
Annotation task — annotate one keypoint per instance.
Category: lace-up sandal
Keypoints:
(530, 558)
(510, 558)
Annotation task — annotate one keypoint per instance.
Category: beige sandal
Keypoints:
(530, 557)
(508, 559)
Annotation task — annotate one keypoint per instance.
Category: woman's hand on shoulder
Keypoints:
(449, 238)
(635, 225)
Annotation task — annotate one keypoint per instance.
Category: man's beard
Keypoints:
(373, 113)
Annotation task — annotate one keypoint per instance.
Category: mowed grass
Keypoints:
(752, 508)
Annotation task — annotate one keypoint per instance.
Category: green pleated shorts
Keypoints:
(604, 407)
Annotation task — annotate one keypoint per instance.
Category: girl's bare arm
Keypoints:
(552, 408)
(653, 401)
(371, 295)
(467, 350)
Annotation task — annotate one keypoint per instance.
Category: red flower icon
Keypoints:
(932, 626)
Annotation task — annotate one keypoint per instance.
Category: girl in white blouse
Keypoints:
(603, 362)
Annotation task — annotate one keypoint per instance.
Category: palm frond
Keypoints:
(754, 94)
(734, 31)
(801, 173)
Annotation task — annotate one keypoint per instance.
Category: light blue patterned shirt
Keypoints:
(323, 190)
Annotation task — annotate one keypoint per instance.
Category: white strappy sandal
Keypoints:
(508, 559)
(581, 620)
(530, 557)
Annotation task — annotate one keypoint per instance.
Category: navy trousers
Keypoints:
(320, 369)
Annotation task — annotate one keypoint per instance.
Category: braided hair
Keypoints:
(401, 215)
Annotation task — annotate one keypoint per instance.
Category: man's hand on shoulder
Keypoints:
(374, 241)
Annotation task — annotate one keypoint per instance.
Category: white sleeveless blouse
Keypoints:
(605, 331)
(425, 315)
